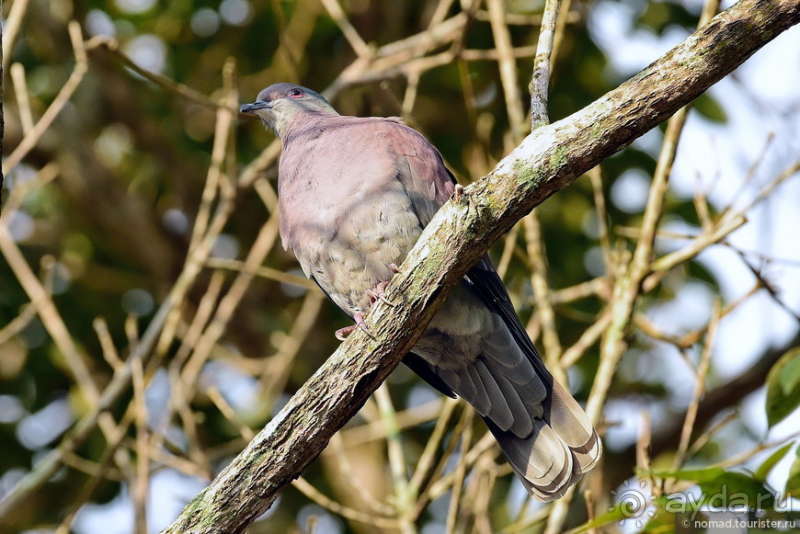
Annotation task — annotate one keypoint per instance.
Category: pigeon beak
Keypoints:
(254, 106)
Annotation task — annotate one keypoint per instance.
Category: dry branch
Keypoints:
(540, 80)
(546, 161)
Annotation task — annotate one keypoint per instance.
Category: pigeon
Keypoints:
(354, 196)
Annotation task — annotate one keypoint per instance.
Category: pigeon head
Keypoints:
(281, 103)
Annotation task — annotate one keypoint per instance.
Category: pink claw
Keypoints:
(458, 192)
(342, 333)
(377, 293)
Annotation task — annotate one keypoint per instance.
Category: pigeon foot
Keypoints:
(379, 293)
(342, 333)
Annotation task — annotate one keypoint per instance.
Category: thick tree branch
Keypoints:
(547, 160)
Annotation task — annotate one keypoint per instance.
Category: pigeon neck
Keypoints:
(302, 122)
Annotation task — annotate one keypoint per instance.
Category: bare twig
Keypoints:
(11, 29)
(596, 178)
(23, 97)
(107, 344)
(540, 80)
(318, 497)
(336, 12)
(541, 295)
(142, 477)
(643, 443)
(30, 140)
(222, 137)
(18, 323)
(521, 19)
(564, 16)
(460, 472)
(707, 434)
(509, 244)
(700, 386)
(265, 272)
(49, 315)
(588, 338)
(20, 191)
(426, 460)
(109, 46)
(596, 286)
(746, 455)
(263, 244)
(276, 368)
(397, 462)
(104, 466)
(508, 67)
(258, 166)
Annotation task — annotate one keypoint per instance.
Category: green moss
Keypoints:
(197, 510)
(598, 129)
(491, 201)
(558, 158)
(527, 174)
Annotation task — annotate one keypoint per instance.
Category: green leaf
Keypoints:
(793, 482)
(709, 108)
(790, 376)
(662, 522)
(659, 16)
(734, 490)
(726, 489)
(783, 387)
(693, 475)
(613, 515)
(764, 469)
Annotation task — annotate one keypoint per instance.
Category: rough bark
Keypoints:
(548, 160)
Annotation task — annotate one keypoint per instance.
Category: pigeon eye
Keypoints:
(295, 93)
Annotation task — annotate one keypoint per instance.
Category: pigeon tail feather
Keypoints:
(562, 447)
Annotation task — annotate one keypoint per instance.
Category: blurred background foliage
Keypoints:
(110, 233)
